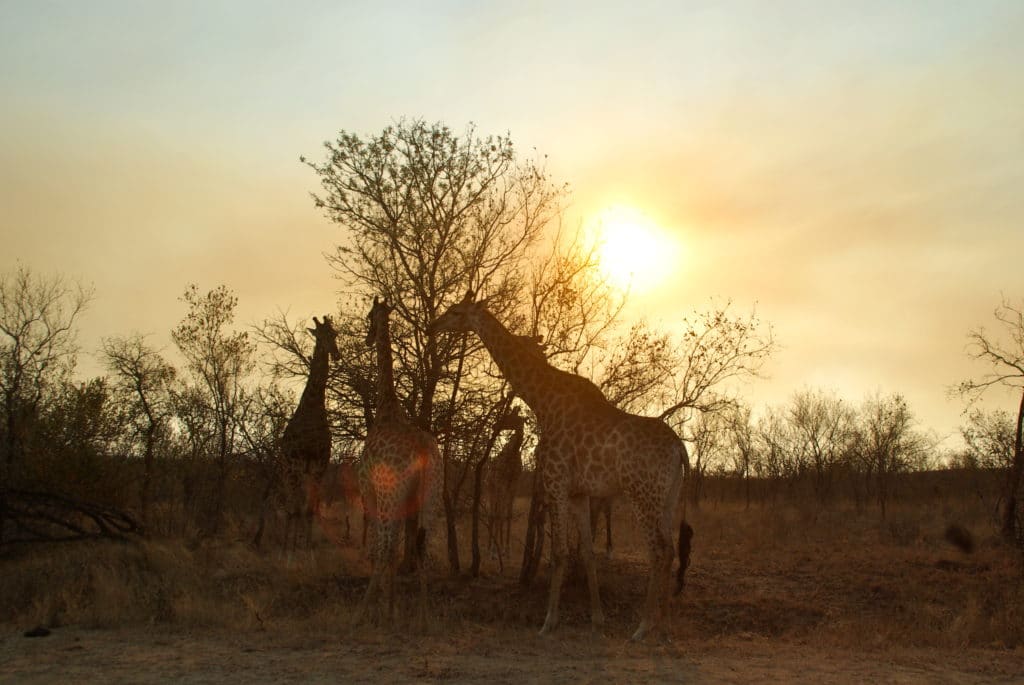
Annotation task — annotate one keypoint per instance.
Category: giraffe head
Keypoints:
(378, 318)
(463, 316)
(325, 334)
(512, 420)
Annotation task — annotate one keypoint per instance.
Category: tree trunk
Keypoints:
(478, 472)
(147, 473)
(1013, 483)
(533, 548)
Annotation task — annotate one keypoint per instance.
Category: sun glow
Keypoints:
(634, 253)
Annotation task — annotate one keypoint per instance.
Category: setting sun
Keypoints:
(633, 251)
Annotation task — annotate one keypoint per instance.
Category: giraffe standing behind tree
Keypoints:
(306, 442)
(399, 473)
(502, 481)
(588, 448)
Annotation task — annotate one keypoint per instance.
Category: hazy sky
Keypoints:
(854, 168)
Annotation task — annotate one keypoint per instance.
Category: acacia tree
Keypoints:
(773, 457)
(742, 436)
(887, 439)
(144, 379)
(1003, 351)
(37, 354)
(989, 437)
(37, 350)
(427, 215)
(823, 427)
(219, 362)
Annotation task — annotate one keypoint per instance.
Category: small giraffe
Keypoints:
(502, 481)
(587, 448)
(306, 442)
(399, 474)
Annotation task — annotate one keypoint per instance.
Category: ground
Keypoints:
(496, 656)
(773, 595)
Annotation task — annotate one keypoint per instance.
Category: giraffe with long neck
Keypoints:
(502, 480)
(399, 474)
(306, 442)
(588, 448)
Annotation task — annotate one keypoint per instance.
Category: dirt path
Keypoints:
(517, 656)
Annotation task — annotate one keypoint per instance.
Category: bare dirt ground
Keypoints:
(494, 656)
(785, 596)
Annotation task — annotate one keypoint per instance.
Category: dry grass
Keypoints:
(834, 578)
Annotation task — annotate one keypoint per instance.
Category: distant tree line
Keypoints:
(187, 446)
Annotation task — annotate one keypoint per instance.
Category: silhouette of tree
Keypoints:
(823, 427)
(144, 379)
(37, 354)
(989, 437)
(219, 362)
(1003, 351)
(427, 215)
(887, 440)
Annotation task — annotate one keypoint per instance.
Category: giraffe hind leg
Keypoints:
(661, 554)
(581, 509)
(559, 545)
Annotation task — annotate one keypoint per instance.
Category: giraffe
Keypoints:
(588, 448)
(306, 442)
(502, 480)
(399, 473)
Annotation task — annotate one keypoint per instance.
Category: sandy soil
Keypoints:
(509, 655)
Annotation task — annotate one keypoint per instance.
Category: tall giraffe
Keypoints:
(306, 442)
(588, 448)
(399, 473)
(502, 480)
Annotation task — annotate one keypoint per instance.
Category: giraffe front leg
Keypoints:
(559, 548)
(581, 509)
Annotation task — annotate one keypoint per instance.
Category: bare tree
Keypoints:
(774, 457)
(37, 354)
(219, 361)
(888, 440)
(427, 214)
(990, 438)
(1003, 351)
(716, 348)
(823, 426)
(145, 379)
(744, 445)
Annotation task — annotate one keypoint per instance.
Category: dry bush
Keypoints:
(835, 578)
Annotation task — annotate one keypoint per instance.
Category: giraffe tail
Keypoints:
(685, 537)
(685, 530)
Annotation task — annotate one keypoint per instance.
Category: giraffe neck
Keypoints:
(315, 393)
(388, 407)
(528, 374)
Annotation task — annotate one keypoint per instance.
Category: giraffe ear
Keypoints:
(376, 300)
(468, 297)
(316, 322)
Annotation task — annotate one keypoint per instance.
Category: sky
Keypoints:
(852, 170)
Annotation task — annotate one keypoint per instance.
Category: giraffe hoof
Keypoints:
(640, 633)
